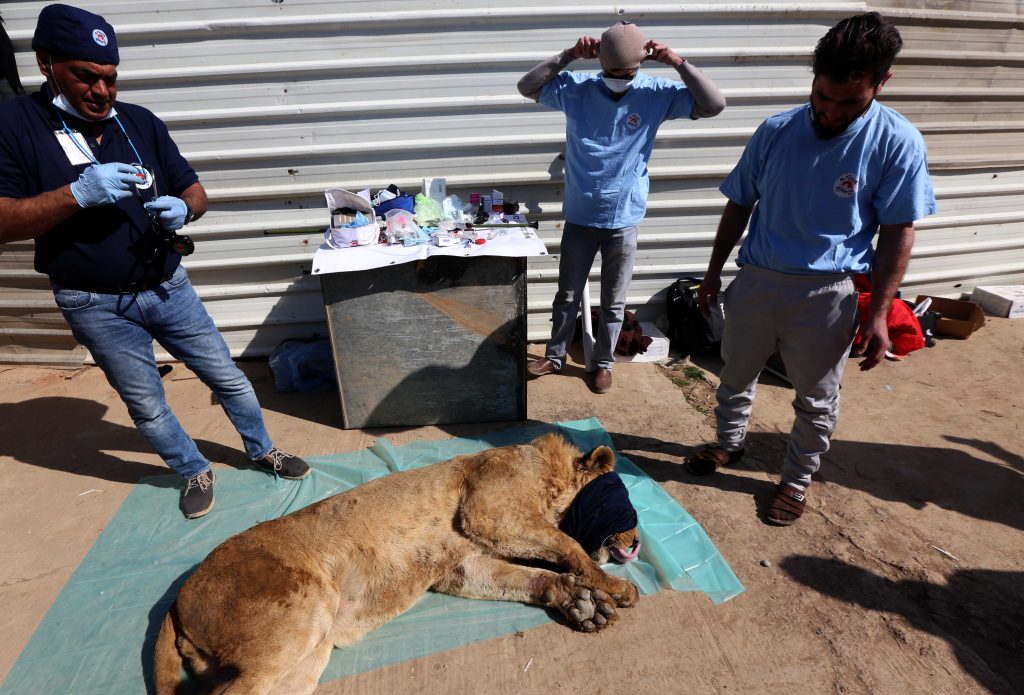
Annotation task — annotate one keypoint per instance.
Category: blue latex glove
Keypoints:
(102, 184)
(170, 211)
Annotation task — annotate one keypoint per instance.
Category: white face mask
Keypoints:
(617, 85)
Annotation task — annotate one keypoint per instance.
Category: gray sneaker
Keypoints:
(197, 497)
(285, 465)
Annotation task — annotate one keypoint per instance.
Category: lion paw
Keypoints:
(586, 609)
(623, 592)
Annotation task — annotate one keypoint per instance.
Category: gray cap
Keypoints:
(622, 47)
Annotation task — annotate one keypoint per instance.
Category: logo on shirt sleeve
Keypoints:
(633, 120)
(845, 186)
(100, 37)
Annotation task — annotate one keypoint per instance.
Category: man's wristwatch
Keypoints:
(189, 214)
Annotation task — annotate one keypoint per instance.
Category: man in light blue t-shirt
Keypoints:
(611, 120)
(816, 184)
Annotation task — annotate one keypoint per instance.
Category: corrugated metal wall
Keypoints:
(274, 100)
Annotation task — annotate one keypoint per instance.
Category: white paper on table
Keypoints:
(506, 242)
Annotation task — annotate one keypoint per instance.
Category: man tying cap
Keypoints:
(622, 47)
(102, 189)
(611, 120)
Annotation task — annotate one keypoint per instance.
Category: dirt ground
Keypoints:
(906, 574)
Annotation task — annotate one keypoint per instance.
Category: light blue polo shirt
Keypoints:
(819, 202)
(609, 142)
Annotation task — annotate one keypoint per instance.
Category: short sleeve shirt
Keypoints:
(819, 202)
(609, 143)
(104, 245)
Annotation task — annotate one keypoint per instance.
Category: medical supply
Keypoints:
(361, 231)
(435, 188)
(497, 202)
(428, 211)
(352, 219)
(401, 227)
(485, 204)
(451, 227)
(451, 206)
(384, 195)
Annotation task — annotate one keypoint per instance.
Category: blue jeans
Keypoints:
(579, 248)
(119, 329)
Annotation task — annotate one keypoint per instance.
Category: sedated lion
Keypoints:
(262, 612)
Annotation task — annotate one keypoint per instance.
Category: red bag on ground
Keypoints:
(905, 334)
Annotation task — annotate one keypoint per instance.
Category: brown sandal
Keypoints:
(709, 458)
(787, 506)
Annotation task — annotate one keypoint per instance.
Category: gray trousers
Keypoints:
(811, 320)
(579, 248)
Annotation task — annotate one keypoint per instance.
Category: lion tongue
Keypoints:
(626, 555)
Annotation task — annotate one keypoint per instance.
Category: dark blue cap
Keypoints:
(71, 32)
(601, 509)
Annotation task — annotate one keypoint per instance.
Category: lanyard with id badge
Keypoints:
(78, 152)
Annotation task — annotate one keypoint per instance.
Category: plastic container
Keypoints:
(400, 226)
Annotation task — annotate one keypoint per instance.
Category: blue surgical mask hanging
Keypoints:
(617, 85)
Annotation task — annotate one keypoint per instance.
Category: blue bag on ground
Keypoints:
(306, 366)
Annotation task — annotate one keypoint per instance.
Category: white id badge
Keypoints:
(75, 152)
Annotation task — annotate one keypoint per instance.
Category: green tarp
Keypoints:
(98, 635)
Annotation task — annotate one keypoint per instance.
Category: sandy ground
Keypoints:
(905, 575)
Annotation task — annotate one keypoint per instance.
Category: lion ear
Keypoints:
(599, 460)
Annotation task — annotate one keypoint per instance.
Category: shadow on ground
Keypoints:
(69, 434)
(980, 613)
(320, 407)
(917, 476)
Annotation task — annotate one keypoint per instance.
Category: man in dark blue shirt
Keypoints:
(101, 187)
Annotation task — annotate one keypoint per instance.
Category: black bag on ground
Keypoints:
(688, 331)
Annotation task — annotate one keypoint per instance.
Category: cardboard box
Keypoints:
(1005, 300)
(657, 350)
(959, 318)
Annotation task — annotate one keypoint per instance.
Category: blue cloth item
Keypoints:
(119, 330)
(419, 236)
(97, 638)
(403, 201)
(601, 509)
(170, 211)
(578, 248)
(609, 142)
(71, 32)
(819, 202)
(104, 245)
(102, 184)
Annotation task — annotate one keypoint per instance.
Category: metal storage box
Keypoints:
(429, 342)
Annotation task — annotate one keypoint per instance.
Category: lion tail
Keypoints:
(166, 657)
